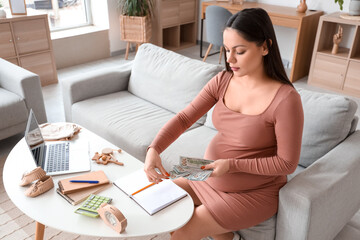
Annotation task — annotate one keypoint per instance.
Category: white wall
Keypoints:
(114, 28)
(77, 46)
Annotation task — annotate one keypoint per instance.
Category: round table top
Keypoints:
(52, 210)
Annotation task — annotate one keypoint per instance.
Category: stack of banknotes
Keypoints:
(190, 168)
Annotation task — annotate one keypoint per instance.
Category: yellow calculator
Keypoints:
(91, 205)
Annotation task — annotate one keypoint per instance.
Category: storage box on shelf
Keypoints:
(339, 72)
(175, 23)
(25, 41)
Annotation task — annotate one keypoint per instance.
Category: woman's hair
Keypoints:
(254, 25)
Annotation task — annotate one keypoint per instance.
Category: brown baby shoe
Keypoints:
(43, 185)
(31, 176)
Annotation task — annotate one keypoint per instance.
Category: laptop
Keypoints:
(56, 158)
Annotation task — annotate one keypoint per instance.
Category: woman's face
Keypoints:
(244, 58)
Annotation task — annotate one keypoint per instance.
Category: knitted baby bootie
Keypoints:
(31, 176)
(41, 186)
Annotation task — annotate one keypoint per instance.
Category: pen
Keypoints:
(84, 181)
(143, 189)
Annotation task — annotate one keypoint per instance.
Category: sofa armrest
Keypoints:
(318, 202)
(25, 84)
(93, 84)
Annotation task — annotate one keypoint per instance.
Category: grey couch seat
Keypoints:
(14, 109)
(128, 121)
(20, 91)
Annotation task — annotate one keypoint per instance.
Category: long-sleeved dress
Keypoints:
(262, 150)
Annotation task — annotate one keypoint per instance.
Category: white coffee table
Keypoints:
(52, 210)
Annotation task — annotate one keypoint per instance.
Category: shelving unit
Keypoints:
(339, 72)
(175, 23)
(25, 41)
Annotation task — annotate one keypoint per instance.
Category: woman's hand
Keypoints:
(153, 166)
(220, 167)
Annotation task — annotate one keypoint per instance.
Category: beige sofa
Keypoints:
(128, 105)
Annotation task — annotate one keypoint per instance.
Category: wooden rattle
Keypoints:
(106, 157)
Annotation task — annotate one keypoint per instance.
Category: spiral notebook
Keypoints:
(151, 199)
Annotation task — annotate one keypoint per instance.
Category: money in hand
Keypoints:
(190, 168)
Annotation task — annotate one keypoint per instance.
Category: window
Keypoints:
(62, 14)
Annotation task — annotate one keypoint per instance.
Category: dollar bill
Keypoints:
(193, 162)
(190, 168)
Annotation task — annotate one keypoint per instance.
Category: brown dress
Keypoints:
(262, 150)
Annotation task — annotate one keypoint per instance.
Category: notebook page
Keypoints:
(154, 198)
(132, 182)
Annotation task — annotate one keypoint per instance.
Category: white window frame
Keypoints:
(88, 16)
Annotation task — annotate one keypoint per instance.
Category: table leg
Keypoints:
(39, 231)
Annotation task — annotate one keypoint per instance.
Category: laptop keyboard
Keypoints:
(58, 158)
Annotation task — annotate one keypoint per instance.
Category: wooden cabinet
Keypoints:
(7, 48)
(25, 41)
(175, 23)
(339, 72)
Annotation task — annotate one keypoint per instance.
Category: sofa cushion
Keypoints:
(351, 230)
(208, 121)
(123, 119)
(168, 79)
(327, 122)
(13, 110)
(298, 170)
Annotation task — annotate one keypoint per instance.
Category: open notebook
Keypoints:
(154, 198)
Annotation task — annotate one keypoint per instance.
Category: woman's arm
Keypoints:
(177, 125)
(202, 103)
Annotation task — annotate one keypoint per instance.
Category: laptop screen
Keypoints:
(34, 139)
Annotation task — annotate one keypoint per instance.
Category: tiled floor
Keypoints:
(14, 225)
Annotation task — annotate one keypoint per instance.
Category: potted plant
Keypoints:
(135, 20)
(354, 6)
(340, 2)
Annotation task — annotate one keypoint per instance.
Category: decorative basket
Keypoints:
(135, 29)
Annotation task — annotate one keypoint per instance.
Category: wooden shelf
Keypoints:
(339, 72)
(356, 59)
(342, 52)
(175, 23)
(25, 41)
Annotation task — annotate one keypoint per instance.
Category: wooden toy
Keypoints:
(106, 157)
